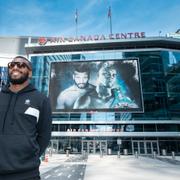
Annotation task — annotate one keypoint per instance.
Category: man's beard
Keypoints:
(21, 80)
(81, 85)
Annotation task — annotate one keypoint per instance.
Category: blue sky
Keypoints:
(57, 17)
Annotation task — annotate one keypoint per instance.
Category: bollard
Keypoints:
(109, 151)
(154, 154)
(50, 152)
(164, 152)
(136, 154)
(67, 153)
(125, 151)
(118, 154)
(84, 153)
(101, 154)
(173, 155)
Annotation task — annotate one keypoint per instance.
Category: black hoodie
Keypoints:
(25, 130)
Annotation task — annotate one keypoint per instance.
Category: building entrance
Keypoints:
(94, 146)
(146, 147)
(54, 145)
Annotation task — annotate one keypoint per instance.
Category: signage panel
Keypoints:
(86, 86)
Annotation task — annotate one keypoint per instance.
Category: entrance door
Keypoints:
(94, 146)
(55, 146)
(145, 147)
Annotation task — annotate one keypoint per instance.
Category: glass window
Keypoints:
(160, 79)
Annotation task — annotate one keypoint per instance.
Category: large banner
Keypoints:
(3, 76)
(86, 86)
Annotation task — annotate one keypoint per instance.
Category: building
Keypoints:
(157, 129)
(174, 34)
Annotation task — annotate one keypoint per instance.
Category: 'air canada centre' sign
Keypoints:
(129, 35)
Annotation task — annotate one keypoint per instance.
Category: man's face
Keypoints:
(81, 79)
(108, 77)
(19, 71)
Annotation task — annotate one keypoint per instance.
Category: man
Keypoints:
(81, 86)
(107, 94)
(25, 124)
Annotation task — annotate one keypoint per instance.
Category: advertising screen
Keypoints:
(86, 86)
(3, 76)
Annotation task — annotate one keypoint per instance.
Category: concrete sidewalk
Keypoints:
(129, 168)
(114, 168)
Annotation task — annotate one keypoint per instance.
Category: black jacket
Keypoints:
(25, 130)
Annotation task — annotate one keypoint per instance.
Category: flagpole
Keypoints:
(76, 21)
(76, 29)
(110, 19)
(110, 25)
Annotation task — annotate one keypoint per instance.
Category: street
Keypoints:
(74, 167)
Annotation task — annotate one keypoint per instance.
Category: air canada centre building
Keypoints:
(141, 112)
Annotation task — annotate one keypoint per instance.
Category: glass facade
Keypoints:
(160, 79)
(160, 72)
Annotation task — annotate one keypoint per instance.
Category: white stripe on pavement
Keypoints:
(56, 170)
(47, 176)
(69, 175)
(60, 174)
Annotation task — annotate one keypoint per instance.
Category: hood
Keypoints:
(28, 88)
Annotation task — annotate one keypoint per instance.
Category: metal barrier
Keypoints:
(109, 151)
(67, 153)
(84, 154)
(136, 154)
(164, 153)
(101, 154)
(118, 154)
(125, 151)
(173, 155)
(50, 152)
(154, 154)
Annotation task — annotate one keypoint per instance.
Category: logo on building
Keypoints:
(42, 40)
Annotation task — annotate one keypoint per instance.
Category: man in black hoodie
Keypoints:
(25, 124)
